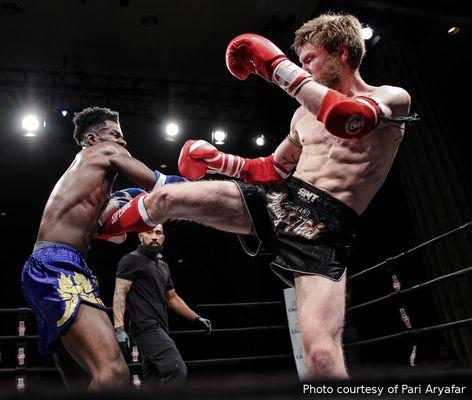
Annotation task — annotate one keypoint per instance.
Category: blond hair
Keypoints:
(332, 31)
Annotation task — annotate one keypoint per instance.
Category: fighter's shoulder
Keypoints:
(392, 96)
(299, 113)
(105, 149)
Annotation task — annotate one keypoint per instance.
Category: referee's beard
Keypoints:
(153, 247)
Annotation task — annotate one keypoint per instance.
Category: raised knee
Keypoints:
(160, 204)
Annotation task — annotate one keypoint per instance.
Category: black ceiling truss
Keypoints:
(141, 97)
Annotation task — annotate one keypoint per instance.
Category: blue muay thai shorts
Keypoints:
(55, 280)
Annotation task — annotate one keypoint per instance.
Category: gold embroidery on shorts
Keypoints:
(295, 220)
(71, 288)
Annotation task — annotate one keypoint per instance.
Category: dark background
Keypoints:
(71, 54)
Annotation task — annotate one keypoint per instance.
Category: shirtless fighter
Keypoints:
(57, 283)
(341, 145)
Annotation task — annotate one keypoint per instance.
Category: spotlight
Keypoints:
(64, 113)
(30, 124)
(260, 141)
(454, 30)
(172, 129)
(218, 136)
(367, 32)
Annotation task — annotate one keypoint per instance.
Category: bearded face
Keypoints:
(325, 68)
(331, 73)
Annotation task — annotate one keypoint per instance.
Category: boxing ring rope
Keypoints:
(16, 311)
(407, 291)
(250, 304)
(413, 332)
(27, 370)
(230, 330)
(395, 259)
(206, 305)
(9, 338)
(190, 363)
(398, 296)
(237, 360)
(22, 370)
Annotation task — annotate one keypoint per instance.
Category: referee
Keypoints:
(144, 286)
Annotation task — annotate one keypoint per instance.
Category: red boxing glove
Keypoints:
(198, 153)
(198, 158)
(349, 118)
(253, 54)
(190, 167)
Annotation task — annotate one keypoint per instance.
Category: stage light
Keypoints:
(260, 141)
(30, 123)
(172, 129)
(454, 30)
(367, 32)
(218, 136)
(64, 113)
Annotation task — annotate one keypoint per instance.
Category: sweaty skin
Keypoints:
(351, 170)
(73, 208)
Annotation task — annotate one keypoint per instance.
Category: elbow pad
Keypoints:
(347, 117)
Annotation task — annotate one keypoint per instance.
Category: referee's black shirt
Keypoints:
(146, 300)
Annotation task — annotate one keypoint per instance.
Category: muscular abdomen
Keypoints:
(351, 170)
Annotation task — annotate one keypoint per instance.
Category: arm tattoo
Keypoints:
(119, 306)
(122, 288)
(287, 161)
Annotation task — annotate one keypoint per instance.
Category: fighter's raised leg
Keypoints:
(217, 204)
